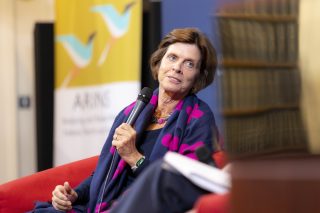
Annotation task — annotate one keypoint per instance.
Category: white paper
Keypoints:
(206, 177)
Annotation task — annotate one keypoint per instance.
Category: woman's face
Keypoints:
(179, 68)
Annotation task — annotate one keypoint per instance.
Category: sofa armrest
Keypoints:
(19, 195)
(213, 203)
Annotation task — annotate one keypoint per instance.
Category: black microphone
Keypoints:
(205, 156)
(142, 100)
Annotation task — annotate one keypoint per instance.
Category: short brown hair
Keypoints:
(208, 63)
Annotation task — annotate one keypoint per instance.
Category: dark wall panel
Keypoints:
(151, 36)
(44, 77)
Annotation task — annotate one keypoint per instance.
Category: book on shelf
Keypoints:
(260, 30)
(262, 133)
(259, 88)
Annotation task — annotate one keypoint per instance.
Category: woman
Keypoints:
(174, 119)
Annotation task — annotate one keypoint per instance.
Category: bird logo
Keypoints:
(80, 54)
(117, 23)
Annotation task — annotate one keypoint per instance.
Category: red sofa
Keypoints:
(213, 203)
(19, 195)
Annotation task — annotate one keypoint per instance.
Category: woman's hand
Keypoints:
(124, 139)
(63, 196)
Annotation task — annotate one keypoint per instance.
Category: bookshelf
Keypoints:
(260, 83)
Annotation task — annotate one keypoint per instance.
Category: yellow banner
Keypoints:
(97, 71)
(97, 42)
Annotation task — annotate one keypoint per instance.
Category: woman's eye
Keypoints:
(189, 64)
(172, 57)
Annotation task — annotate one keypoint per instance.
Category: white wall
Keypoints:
(8, 110)
(17, 78)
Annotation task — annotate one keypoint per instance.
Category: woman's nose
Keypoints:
(177, 67)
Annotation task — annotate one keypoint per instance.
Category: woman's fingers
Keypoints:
(59, 199)
(123, 135)
(58, 192)
(59, 205)
(124, 130)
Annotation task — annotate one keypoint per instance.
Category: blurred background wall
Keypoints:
(8, 129)
(310, 65)
(17, 83)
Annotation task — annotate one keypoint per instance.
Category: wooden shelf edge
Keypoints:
(256, 64)
(255, 111)
(258, 17)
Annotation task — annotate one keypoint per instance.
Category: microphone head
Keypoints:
(145, 95)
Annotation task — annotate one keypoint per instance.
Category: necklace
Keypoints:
(156, 120)
(159, 120)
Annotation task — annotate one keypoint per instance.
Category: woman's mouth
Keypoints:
(174, 80)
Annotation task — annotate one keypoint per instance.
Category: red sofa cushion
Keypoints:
(19, 195)
(213, 203)
(220, 158)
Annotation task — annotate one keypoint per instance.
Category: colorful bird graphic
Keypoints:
(80, 53)
(117, 23)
